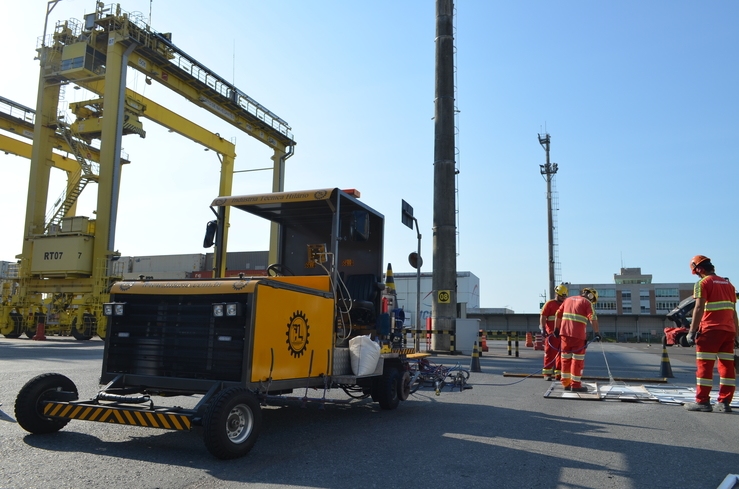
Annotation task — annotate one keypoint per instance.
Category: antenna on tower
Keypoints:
(548, 171)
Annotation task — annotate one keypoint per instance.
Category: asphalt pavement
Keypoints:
(501, 433)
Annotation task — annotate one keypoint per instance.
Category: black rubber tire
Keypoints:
(17, 320)
(83, 335)
(279, 270)
(28, 409)
(404, 386)
(386, 389)
(416, 382)
(232, 423)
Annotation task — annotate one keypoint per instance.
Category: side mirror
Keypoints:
(210, 234)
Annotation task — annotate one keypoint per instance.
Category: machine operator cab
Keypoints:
(326, 238)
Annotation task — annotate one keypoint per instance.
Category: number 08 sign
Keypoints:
(444, 297)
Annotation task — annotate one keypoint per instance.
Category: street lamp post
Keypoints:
(416, 262)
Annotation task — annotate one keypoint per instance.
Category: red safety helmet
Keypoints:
(696, 261)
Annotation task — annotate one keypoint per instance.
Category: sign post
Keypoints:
(416, 262)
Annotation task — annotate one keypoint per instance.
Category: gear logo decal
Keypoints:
(297, 334)
(239, 285)
(319, 194)
(125, 285)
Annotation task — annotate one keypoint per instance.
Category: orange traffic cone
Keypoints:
(40, 331)
(529, 340)
(483, 342)
(539, 342)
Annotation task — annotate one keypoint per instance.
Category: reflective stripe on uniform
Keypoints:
(708, 382)
(551, 318)
(719, 305)
(705, 355)
(729, 357)
(726, 381)
(575, 317)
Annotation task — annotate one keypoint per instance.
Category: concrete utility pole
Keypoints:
(548, 170)
(444, 304)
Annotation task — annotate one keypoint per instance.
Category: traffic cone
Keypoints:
(475, 362)
(483, 342)
(389, 280)
(529, 340)
(40, 332)
(539, 343)
(666, 370)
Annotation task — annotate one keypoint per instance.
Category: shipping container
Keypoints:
(241, 260)
(229, 273)
(168, 263)
(156, 275)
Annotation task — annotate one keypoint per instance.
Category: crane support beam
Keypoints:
(23, 126)
(23, 149)
(169, 119)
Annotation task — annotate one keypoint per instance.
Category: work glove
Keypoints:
(541, 330)
(596, 337)
(691, 338)
(556, 333)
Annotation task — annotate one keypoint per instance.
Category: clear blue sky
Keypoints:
(640, 99)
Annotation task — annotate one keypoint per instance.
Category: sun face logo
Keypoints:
(125, 285)
(297, 334)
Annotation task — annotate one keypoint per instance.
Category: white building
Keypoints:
(468, 295)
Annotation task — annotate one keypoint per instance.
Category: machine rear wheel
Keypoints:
(386, 389)
(404, 386)
(232, 423)
(28, 407)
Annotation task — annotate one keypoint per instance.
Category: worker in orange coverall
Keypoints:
(570, 325)
(552, 361)
(714, 332)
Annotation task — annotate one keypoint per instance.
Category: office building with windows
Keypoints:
(634, 293)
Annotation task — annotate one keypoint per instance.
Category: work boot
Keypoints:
(582, 388)
(568, 388)
(704, 407)
(723, 407)
(548, 378)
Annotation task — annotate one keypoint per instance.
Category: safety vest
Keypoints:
(576, 312)
(720, 302)
(549, 311)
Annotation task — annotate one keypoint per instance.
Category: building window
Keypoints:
(666, 305)
(627, 309)
(626, 294)
(666, 293)
(606, 293)
(605, 305)
(644, 309)
(643, 294)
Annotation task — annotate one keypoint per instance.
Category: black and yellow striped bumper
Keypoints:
(118, 415)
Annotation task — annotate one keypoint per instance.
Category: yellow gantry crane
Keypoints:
(65, 268)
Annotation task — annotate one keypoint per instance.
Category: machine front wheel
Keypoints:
(232, 423)
(29, 410)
